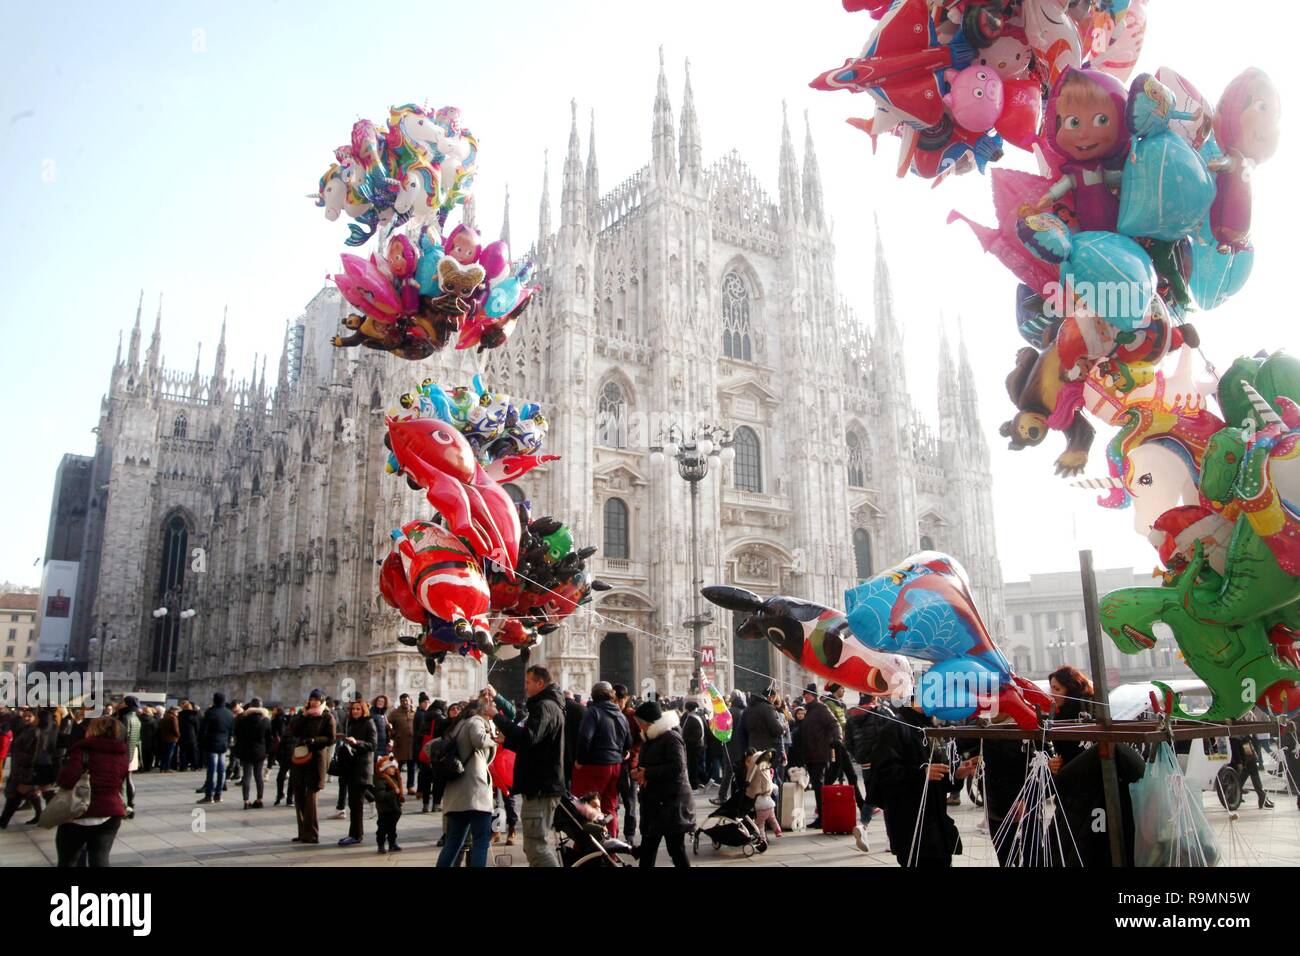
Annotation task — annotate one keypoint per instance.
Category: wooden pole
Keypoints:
(1101, 694)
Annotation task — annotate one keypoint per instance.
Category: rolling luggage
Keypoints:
(839, 809)
(792, 815)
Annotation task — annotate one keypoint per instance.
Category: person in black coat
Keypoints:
(736, 747)
(188, 758)
(899, 777)
(693, 734)
(360, 737)
(148, 738)
(861, 728)
(435, 725)
(667, 807)
(1083, 795)
(538, 744)
(214, 740)
(252, 744)
(573, 714)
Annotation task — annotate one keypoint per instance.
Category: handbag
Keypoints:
(302, 755)
(70, 803)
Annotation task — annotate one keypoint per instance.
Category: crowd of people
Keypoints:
(636, 765)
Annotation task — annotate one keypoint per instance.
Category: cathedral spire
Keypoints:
(134, 354)
(888, 342)
(663, 163)
(572, 201)
(505, 219)
(966, 391)
(219, 368)
(812, 179)
(692, 152)
(789, 175)
(197, 374)
(118, 361)
(282, 380)
(154, 355)
(544, 215)
(947, 389)
(593, 178)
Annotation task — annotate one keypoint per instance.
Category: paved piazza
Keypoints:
(163, 834)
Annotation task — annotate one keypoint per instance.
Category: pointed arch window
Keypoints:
(749, 460)
(611, 416)
(172, 562)
(736, 341)
(859, 462)
(927, 543)
(616, 530)
(862, 554)
(180, 426)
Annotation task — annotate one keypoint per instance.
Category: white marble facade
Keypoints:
(683, 295)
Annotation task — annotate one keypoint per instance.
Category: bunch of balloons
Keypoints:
(422, 287)
(957, 79)
(482, 576)
(1140, 217)
(921, 608)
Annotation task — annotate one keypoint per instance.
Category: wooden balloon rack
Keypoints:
(1103, 731)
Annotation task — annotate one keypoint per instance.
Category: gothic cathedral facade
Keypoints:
(683, 296)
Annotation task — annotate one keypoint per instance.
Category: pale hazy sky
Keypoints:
(169, 148)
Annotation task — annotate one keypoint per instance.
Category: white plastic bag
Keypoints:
(1169, 822)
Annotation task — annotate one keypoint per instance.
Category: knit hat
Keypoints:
(650, 711)
(832, 687)
(316, 694)
(423, 697)
(218, 699)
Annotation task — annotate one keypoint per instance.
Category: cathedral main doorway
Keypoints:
(618, 659)
(753, 661)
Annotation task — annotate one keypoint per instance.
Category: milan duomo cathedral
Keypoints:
(684, 295)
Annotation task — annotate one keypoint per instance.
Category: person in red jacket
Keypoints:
(103, 752)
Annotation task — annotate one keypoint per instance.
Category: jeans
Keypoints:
(603, 780)
(215, 781)
(252, 771)
(676, 843)
(189, 756)
(538, 814)
(511, 806)
(411, 766)
(627, 795)
(71, 838)
(476, 823)
(168, 756)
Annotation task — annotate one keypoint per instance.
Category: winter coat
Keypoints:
(666, 802)
(361, 762)
(794, 756)
(47, 752)
(739, 741)
(897, 781)
(472, 790)
(131, 720)
(169, 728)
(538, 744)
(148, 736)
(215, 729)
(189, 724)
(693, 730)
(22, 757)
(108, 769)
(838, 710)
(819, 733)
(860, 731)
(1079, 784)
(401, 723)
(573, 714)
(421, 727)
(389, 795)
(317, 733)
(380, 719)
(635, 737)
(763, 727)
(253, 734)
(603, 737)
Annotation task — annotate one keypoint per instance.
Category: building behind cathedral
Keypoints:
(683, 295)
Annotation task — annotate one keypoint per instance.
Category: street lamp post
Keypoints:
(1062, 645)
(185, 615)
(692, 456)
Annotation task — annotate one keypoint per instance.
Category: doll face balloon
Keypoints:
(1008, 56)
(1089, 123)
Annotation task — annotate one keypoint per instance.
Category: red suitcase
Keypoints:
(839, 809)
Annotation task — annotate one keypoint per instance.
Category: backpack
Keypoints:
(444, 761)
(693, 732)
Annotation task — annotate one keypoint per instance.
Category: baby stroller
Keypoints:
(583, 841)
(735, 824)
